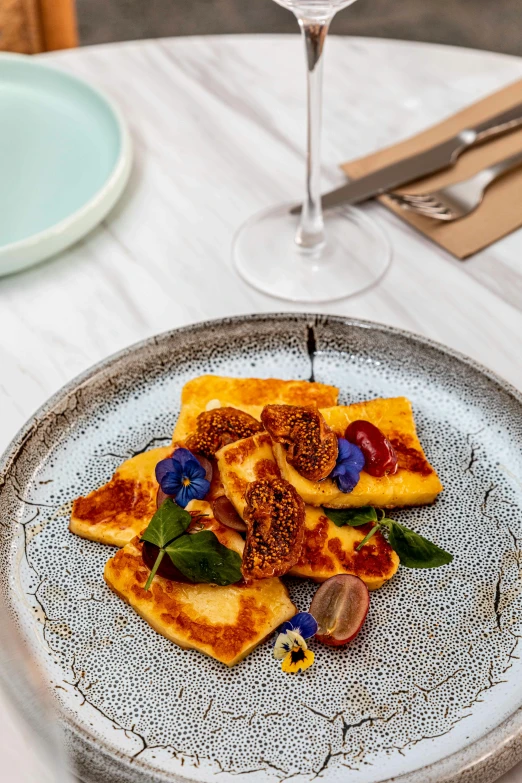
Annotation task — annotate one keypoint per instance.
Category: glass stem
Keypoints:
(310, 234)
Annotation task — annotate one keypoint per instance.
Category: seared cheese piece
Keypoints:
(248, 394)
(244, 461)
(414, 484)
(327, 550)
(225, 622)
(122, 508)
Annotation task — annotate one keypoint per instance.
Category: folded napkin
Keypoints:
(501, 210)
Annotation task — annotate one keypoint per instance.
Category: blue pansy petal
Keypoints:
(305, 624)
(350, 462)
(188, 462)
(350, 453)
(199, 487)
(344, 449)
(194, 490)
(348, 480)
(169, 475)
(183, 496)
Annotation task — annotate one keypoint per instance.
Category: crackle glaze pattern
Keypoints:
(436, 667)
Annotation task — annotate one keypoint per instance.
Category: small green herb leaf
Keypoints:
(414, 550)
(169, 522)
(353, 517)
(202, 558)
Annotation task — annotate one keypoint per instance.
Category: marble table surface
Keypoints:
(218, 129)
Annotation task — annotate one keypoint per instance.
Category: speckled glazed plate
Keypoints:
(431, 688)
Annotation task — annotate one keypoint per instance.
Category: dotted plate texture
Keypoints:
(430, 689)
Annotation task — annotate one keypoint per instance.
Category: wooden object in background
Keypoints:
(32, 26)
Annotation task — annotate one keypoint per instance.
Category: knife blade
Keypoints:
(422, 164)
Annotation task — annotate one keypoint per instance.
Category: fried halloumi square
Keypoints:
(327, 549)
(122, 508)
(225, 622)
(414, 484)
(247, 394)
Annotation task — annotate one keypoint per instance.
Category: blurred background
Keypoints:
(25, 25)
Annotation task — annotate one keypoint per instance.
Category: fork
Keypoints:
(458, 200)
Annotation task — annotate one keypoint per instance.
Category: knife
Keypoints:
(414, 167)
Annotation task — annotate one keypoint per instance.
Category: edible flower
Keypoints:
(290, 646)
(303, 623)
(291, 649)
(350, 462)
(182, 477)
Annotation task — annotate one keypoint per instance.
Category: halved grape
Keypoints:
(161, 497)
(340, 606)
(225, 513)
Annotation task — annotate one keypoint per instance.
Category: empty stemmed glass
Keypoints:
(311, 257)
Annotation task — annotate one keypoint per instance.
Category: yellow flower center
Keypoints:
(185, 481)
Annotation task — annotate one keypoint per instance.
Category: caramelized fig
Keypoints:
(218, 427)
(225, 513)
(310, 445)
(340, 606)
(275, 516)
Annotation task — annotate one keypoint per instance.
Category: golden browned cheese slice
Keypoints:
(243, 462)
(327, 549)
(247, 394)
(226, 623)
(122, 508)
(414, 484)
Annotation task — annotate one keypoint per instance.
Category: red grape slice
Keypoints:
(225, 513)
(340, 606)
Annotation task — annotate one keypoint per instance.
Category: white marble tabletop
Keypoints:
(218, 128)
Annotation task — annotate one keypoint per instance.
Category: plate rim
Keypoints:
(482, 760)
(39, 246)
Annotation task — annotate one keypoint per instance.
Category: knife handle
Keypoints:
(502, 123)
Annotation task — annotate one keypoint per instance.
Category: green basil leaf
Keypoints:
(353, 517)
(169, 522)
(202, 558)
(414, 550)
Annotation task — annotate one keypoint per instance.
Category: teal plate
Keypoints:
(65, 157)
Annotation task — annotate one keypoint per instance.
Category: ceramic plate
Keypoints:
(430, 689)
(65, 157)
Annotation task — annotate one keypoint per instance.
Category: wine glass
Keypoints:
(312, 257)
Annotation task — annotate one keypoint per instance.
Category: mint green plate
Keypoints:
(65, 157)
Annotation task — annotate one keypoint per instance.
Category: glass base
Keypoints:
(355, 256)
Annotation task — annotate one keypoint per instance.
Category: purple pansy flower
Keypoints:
(350, 462)
(303, 623)
(183, 477)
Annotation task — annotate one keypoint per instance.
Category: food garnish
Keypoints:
(414, 550)
(379, 454)
(310, 445)
(182, 477)
(340, 606)
(199, 556)
(350, 462)
(303, 623)
(290, 646)
(218, 427)
(274, 515)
